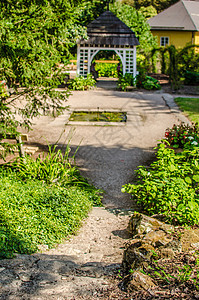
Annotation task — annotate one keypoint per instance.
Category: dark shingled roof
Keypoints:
(184, 15)
(107, 30)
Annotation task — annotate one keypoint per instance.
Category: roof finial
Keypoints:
(108, 1)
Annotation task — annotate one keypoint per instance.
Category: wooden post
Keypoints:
(20, 146)
(78, 59)
(134, 62)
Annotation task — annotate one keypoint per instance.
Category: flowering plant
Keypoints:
(183, 135)
(3, 89)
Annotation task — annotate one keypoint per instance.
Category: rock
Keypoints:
(195, 246)
(140, 224)
(167, 228)
(150, 237)
(140, 281)
(189, 238)
(175, 245)
(157, 238)
(166, 253)
(137, 254)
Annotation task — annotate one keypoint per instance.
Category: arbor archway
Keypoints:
(108, 33)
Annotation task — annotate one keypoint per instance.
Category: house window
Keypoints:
(164, 40)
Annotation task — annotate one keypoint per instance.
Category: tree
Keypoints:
(35, 37)
(148, 12)
(137, 22)
(90, 10)
(159, 5)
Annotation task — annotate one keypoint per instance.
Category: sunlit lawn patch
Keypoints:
(190, 106)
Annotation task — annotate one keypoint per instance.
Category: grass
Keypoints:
(43, 210)
(190, 106)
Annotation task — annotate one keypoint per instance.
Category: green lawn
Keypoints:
(190, 106)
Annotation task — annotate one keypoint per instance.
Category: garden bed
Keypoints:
(98, 116)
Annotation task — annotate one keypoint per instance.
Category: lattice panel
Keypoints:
(86, 55)
(83, 65)
(129, 61)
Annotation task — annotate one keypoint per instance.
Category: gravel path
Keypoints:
(85, 266)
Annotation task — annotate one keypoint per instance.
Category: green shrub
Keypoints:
(169, 186)
(81, 83)
(189, 61)
(191, 78)
(183, 136)
(125, 81)
(106, 70)
(147, 82)
(54, 167)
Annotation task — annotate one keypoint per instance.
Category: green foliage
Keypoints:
(148, 12)
(98, 116)
(3, 90)
(159, 5)
(191, 78)
(35, 38)
(141, 81)
(125, 81)
(189, 61)
(106, 70)
(137, 22)
(190, 106)
(53, 167)
(151, 83)
(81, 83)
(178, 63)
(32, 213)
(129, 2)
(147, 82)
(169, 186)
(183, 136)
(42, 202)
(90, 10)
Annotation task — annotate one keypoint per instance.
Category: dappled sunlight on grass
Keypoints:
(190, 106)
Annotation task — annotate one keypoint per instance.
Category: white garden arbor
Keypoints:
(107, 33)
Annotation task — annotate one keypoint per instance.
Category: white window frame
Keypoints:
(164, 41)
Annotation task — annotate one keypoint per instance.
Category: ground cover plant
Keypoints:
(141, 81)
(81, 83)
(98, 116)
(42, 202)
(190, 106)
(169, 186)
(147, 82)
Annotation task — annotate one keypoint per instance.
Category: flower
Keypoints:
(194, 143)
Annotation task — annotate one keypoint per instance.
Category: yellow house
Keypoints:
(178, 25)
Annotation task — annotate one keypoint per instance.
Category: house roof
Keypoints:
(108, 30)
(184, 15)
